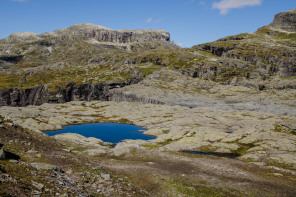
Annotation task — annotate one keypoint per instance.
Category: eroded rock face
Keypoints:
(40, 95)
(101, 33)
(97, 32)
(122, 36)
(71, 92)
(285, 20)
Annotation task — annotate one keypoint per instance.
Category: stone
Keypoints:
(38, 155)
(223, 150)
(154, 132)
(2, 154)
(125, 147)
(277, 174)
(229, 146)
(285, 158)
(39, 186)
(74, 137)
(45, 166)
(106, 177)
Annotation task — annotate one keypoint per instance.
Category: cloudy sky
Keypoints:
(189, 22)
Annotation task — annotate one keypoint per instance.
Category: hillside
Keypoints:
(84, 61)
(270, 50)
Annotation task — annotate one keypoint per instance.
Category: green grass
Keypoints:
(150, 146)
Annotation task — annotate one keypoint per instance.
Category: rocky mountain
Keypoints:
(234, 97)
(85, 61)
(74, 62)
(267, 52)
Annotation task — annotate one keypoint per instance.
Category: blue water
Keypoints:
(228, 155)
(201, 153)
(108, 132)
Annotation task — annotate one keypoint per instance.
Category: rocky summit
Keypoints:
(285, 21)
(234, 97)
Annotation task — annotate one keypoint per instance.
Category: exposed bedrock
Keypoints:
(283, 66)
(40, 95)
(117, 95)
(97, 32)
(285, 20)
(120, 36)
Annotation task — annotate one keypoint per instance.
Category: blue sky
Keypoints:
(189, 22)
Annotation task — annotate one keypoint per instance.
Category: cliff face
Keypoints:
(40, 95)
(88, 31)
(100, 33)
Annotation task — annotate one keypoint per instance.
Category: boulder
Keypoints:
(46, 166)
(125, 147)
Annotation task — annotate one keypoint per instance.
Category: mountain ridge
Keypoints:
(85, 57)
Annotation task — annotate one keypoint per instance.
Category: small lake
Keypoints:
(108, 132)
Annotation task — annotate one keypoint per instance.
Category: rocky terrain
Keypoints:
(72, 165)
(232, 97)
(83, 62)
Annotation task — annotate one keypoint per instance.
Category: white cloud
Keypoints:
(19, 0)
(225, 5)
(151, 20)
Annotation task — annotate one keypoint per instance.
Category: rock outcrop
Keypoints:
(285, 20)
(118, 96)
(271, 48)
(72, 92)
(101, 33)
(92, 33)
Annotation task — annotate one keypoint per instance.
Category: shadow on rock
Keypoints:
(8, 155)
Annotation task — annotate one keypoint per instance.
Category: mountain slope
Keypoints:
(85, 61)
(271, 50)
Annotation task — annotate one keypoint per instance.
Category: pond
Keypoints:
(228, 155)
(108, 132)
